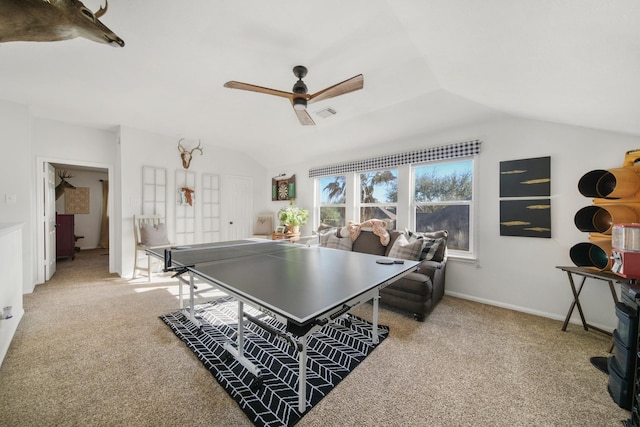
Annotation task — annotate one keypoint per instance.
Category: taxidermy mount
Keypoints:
(53, 20)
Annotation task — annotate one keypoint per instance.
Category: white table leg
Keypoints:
(240, 329)
(374, 322)
(192, 310)
(302, 377)
(238, 352)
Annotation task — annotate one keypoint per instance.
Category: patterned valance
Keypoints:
(452, 151)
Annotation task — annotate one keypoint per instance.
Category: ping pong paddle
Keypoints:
(388, 261)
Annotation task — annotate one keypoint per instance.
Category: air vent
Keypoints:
(326, 113)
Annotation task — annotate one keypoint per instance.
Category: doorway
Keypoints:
(84, 206)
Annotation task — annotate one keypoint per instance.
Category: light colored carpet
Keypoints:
(91, 351)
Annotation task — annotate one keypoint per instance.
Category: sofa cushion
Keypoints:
(336, 242)
(404, 249)
(369, 243)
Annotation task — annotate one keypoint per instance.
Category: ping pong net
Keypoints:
(181, 257)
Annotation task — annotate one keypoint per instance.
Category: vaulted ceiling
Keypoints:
(427, 65)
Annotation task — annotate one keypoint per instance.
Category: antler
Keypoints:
(102, 10)
(63, 175)
(184, 150)
(197, 148)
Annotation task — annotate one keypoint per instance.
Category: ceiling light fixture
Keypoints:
(299, 104)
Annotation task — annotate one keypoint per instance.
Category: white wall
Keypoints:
(140, 148)
(73, 144)
(11, 283)
(17, 179)
(516, 272)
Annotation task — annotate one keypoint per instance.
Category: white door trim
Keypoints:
(41, 168)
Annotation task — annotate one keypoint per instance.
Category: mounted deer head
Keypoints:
(53, 20)
(185, 155)
(64, 184)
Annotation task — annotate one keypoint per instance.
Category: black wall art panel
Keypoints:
(525, 206)
(525, 218)
(526, 178)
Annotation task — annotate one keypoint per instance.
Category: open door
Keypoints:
(49, 222)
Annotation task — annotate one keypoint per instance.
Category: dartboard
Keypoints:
(283, 190)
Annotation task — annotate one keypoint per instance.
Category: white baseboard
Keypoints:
(523, 310)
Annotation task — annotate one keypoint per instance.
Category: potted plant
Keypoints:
(293, 217)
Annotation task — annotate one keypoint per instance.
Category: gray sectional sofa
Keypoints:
(418, 292)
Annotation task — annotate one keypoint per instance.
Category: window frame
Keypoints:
(359, 205)
(469, 254)
(319, 205)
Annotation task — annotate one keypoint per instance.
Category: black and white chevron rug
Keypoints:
(333, 352)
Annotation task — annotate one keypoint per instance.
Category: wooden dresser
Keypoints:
(65, 239)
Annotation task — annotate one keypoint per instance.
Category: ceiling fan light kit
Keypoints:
(299, 97)
(299, 104)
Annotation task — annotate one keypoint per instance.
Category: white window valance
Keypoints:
(451, 151)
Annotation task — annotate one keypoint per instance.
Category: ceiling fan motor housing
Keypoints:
(299, 87)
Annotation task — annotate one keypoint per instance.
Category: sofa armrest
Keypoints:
(429, 267)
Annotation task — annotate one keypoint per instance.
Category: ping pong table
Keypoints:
(304, 287)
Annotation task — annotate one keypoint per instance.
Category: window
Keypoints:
(379, 195)
(426, 189)
(443, 200)
(332, 200)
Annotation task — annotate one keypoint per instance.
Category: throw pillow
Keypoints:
(263, 225)
(324, 237)
(435, 243)
(343, 231)
(404, 249)
(336, 242)
(153, 235)
(432, 249)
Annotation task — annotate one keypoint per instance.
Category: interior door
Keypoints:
(238, 204)
(50, 222)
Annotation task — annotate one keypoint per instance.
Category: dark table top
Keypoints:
(296, 281)
(594, 273)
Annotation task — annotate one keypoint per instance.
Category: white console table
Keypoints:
(11, 286)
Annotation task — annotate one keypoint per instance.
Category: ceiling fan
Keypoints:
(299, 97)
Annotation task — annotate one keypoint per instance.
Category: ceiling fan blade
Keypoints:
(349, 85)
(304, 117)
(259, 89)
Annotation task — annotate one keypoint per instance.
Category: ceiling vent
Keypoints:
(326, 113)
